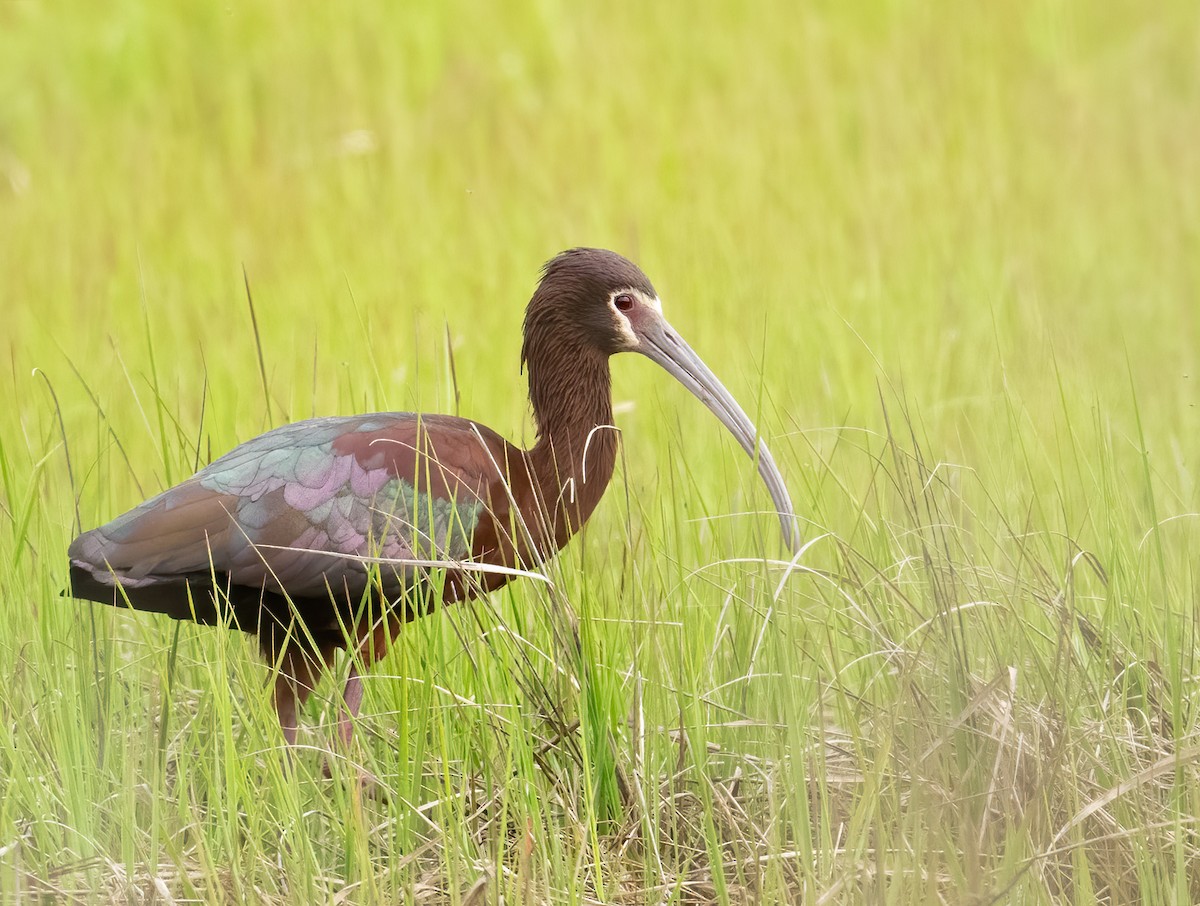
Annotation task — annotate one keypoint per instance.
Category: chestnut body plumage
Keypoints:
(321, 534)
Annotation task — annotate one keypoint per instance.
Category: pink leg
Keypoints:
(285, 707)
(352, 699)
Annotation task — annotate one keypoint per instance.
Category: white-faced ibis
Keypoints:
(311, 535)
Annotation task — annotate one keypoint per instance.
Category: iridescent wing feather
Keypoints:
(312, 510)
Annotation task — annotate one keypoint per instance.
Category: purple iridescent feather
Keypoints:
(276, 512)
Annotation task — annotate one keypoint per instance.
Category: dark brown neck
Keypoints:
(576, 449)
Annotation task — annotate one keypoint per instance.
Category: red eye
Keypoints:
(624, 302)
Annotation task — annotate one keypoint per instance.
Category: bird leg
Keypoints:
(285, 707)
(293, 685)
(373, 641)
(351, 702)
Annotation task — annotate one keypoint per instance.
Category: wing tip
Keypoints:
(91, 551)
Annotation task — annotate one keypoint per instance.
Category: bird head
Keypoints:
(590, 298)
(593, 302)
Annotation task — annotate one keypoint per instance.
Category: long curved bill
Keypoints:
(660, 343)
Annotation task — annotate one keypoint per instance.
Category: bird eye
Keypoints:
(624, 302)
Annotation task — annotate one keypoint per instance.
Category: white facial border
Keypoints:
(623, 325)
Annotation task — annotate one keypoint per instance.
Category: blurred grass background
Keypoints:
(946, 253)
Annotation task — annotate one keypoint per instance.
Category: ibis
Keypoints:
(331, 533)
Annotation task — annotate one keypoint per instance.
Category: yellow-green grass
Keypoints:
(947, 254)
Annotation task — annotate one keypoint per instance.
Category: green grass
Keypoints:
(946, 255)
